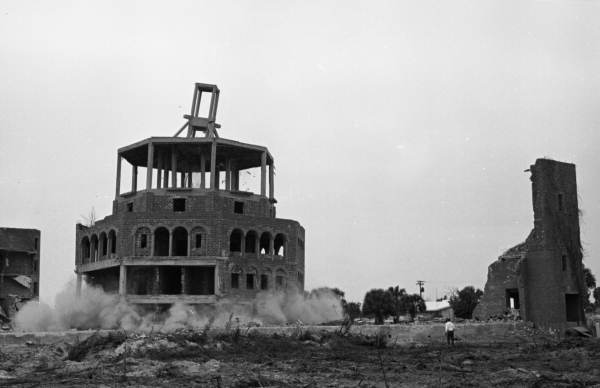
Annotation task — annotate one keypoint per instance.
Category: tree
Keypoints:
(463, 302)
(596, 295)
(413, 304)
(378, 304)
(397, 294)
(353, 310)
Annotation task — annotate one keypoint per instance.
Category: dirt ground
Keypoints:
(231, 359)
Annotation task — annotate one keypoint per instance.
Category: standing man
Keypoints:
(449, 329)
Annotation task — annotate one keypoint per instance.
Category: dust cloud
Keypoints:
(95, 309)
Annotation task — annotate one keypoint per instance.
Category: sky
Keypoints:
(400, 130)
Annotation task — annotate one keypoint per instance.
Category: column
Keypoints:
(189, 179)
(243, 245)
(228, 175)
(149, 166)
(159, 170)
(156, 285)
(263, 174)
(271, 182)
(134, 174)
(173, 168)
(78, 285)
(170, 243)
(271, 246)
(257, 246)
(213, 164)
(202, 171)
(165, 171)
(118, 185)
(183, 281)
(122, 280)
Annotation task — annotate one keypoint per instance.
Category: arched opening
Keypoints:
(85, 250)
(280, 244)
(250, 241)
(94, 247)
(235, 241)
(112, 242)
(161, 242)
(180, 242)
(103, 244)
(265, 244)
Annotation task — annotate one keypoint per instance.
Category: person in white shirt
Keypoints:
(449, 329)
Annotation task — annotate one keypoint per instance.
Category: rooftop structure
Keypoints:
(196, 232)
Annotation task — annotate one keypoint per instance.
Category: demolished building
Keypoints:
(541, 279)
(193, 233)
(19, 269)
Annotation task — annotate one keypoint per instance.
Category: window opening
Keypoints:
(250, 281)
(178, 204)
(238, 207)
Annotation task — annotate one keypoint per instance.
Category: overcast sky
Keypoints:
(400, 130)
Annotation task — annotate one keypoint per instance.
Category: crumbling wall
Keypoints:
(547, 268)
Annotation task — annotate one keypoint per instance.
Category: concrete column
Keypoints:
(165, 171)
(78, 285)
(202, 171)
(189, 179)
(271, 181)
(156, 285)
(189, 245)
(243, 245)
(174, 167)
(149, 166)
(263, 174)
(122, 280)
(213, 165)
(134, 175)
(170, 243)
(257, 246)
(118, 185)
(272, 246)
(183, 281)
(108, 246)
(228, 175)
(159, 170)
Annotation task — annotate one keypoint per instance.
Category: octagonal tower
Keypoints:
(196, 231)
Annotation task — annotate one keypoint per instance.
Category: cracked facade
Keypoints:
(541, 279)
(19, 269)
(194, 233)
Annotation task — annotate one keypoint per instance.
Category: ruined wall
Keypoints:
(548, 271)
(553, 265)
(19, 267)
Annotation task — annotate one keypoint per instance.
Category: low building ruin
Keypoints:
(194, 233)
(541, 279)
(19, 269)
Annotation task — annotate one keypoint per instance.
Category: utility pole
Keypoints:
(421, 283)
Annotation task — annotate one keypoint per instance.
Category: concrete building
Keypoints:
(192, 233)
(541, 279)
(19, 269)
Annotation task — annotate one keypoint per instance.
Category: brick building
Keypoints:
(192, 233)
(19, 268)
(541, 279)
